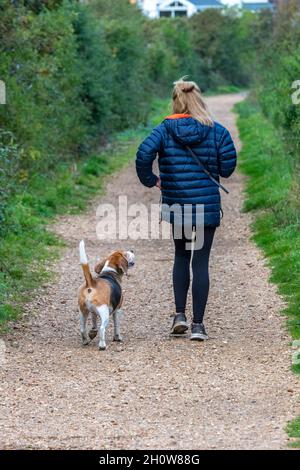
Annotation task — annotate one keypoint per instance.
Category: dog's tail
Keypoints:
(85, 266)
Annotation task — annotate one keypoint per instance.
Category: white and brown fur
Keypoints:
(96, 296)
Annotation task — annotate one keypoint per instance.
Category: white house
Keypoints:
(185, 7)
(173, 8)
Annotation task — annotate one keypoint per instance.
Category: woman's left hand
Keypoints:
(158, 183)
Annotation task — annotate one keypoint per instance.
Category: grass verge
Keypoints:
(28, 243)
(271, 193)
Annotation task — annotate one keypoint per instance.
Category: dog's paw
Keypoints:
(84, 339)
(118, 338)
(93, 333)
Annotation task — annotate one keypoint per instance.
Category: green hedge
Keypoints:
(277, 68)
(43, 76)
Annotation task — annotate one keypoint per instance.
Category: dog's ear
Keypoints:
(99, 266)
(122, 264)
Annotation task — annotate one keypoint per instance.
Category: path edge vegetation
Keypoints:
(267, 161)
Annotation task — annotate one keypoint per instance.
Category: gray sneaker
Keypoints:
(180, 325)
(198, 332)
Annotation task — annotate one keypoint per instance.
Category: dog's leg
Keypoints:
(117, 317)
(94, 330)
(83, 319)
(103, 313)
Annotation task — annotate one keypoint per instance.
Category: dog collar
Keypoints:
(108, 269)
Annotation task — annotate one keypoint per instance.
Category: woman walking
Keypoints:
(194, 151)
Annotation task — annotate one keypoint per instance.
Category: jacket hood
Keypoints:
(185, 129)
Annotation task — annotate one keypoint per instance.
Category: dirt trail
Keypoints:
(234, 391)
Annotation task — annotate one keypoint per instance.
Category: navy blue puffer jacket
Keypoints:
(182, 179)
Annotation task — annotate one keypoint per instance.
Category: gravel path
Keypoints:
(235, 391)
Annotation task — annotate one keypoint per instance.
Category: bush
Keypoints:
(217, 43)
(278, 66)
(126, 77)
(43, 78)
(9, 166)
(170, 52)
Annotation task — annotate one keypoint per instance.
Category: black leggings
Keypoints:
(181, 274)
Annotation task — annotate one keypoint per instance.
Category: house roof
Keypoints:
(254, 6)
(199, 4)
(206, 3)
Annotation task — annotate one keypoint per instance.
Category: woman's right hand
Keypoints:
(158, 183)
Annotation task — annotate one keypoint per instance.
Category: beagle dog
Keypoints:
(102, 295)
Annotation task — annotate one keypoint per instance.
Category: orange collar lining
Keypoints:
(178, 116)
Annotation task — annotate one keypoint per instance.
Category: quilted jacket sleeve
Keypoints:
(226, 155)
(145, 157)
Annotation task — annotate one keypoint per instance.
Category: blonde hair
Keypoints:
(187, 99)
